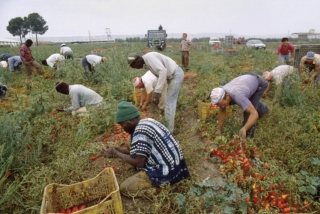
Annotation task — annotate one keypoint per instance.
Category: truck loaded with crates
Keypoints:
(156, 39)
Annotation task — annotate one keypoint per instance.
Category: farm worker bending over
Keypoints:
(147, 83)
(14, 63)
(3, 91)
(91, 61)
(53, 61)
(66, 52)
(308, 63)
(27, 59)
(185, 47)
(80, 96)
(167, 70)
(154, 152)
(285, 51)
(277, 74)
(245, 91)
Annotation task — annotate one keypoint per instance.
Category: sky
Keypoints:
(67, 18)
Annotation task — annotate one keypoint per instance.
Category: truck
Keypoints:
(156, 39)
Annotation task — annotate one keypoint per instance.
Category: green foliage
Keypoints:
(37, 24)
(308, 184)
(291, 93)
(18, 27)
(33, 23)
(213, 197)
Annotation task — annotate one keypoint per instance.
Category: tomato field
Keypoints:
(277, 171)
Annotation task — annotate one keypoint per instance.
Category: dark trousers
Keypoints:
(86, 64)
(185, 58)
(258, 105)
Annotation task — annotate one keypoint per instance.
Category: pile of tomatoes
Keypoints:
(244, 163)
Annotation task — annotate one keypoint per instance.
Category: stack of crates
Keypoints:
(229, 41)
(301, 51)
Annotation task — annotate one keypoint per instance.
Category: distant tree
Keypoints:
(37, 25)
(18, 27)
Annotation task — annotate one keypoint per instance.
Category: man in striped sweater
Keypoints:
(154, 152)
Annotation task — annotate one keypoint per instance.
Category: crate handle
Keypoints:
(109, 195)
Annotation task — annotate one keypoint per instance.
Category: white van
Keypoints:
(214, 41)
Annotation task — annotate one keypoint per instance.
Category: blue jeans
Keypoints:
(258, 105)
(174, 86)
(284, 59)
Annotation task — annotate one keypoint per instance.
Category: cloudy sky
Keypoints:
(135, 17)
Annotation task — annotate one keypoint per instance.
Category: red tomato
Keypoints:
(255, 199)
(280, 205)
(82, 207)
(286, 210)
(74, 209)
(68, 211)
(93, 158)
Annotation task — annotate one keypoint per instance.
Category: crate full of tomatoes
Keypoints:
(208, 110)
(98, 195)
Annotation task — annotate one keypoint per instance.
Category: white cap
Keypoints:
(136, 81)
(63, 45)
(217, 94)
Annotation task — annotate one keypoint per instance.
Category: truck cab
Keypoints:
(157, 39)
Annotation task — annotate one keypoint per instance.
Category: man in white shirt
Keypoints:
(146, 84)
(53, 61)
(167, 70)
(278, 74)
(91, 61)
(66, 52)
(80, 96)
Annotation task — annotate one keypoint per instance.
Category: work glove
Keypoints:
(156, 98)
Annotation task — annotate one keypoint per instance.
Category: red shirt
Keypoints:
(284, 50)
(25, 52)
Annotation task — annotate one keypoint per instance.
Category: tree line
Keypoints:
(33, 23)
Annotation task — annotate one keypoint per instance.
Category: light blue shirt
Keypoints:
(81, 95)
(241, 89)
(14, 61)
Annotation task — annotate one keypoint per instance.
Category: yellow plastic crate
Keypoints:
(100, 194)
(205, 110)
(136, 96)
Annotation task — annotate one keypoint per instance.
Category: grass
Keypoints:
(41, 146)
